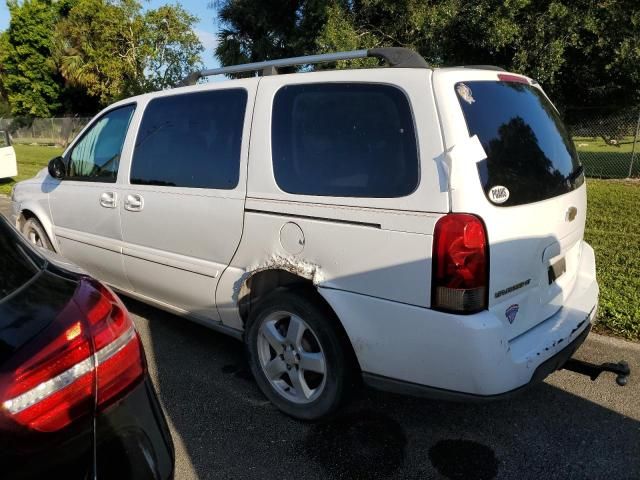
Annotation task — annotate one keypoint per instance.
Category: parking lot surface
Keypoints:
(568, 427)
(222, 426)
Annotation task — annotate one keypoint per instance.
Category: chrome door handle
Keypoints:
(109, 199)
(134, 202)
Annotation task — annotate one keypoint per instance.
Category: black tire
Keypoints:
(35, 233)
(321, 321)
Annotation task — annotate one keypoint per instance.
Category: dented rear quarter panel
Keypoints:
(379, 247)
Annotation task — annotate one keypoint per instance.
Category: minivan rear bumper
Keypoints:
(543, 371)
(470, 355)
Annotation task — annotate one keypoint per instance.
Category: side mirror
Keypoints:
(57, 168)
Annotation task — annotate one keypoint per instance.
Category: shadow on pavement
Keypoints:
(226, 429)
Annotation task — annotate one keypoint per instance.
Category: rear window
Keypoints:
(18, 264)
(529, 151)
(344, 140)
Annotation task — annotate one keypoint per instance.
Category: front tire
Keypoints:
(298, 355)
(35, 233)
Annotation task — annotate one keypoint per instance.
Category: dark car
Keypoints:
(76, 400)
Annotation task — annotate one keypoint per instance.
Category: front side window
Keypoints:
(96, 156)
(344, 139)
(191, 140)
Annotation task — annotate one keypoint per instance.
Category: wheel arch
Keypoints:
(34, 210)
(261, 283)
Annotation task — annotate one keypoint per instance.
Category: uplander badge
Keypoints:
(499, 194)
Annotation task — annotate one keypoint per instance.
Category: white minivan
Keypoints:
(418, 228)
(8, 163)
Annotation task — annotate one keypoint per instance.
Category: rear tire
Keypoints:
(35, 233)
(298, 354)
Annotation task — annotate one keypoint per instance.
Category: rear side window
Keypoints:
(345, 140)
(529, 150)
(191, 140)
(4, 139)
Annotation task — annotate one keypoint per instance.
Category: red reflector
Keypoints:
(460, 268)
(507, 77)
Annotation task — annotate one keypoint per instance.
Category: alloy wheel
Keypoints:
(291, 357)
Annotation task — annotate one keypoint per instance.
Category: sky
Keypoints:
(205, 29)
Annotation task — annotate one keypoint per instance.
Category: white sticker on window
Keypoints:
(499, 194)
(465, 93)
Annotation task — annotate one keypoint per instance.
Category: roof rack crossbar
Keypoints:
(394, 56)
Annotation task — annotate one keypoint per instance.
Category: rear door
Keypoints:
(182, 211)
(8, 165)
(513, 163)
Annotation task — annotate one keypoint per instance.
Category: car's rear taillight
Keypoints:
(89, 356)
(460, 264)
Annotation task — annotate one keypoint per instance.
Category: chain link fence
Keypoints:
(608, 142)
(44, 131)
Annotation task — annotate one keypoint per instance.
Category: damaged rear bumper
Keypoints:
(545, 369)
(401, 346)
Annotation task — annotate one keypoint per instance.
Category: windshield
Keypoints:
(529, 150)
(18, 263)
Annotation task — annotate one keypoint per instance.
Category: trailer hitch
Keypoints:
(593, 370)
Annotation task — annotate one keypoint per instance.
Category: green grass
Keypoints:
(613, 229)
(30, 160)
(607, 161)
(598, 145)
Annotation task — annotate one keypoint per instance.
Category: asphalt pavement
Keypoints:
(567, 427)
(222, 426)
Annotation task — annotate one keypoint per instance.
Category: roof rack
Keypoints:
(395, 56)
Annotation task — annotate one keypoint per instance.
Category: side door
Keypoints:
(183, 209)
(8, 165)
(84, 205)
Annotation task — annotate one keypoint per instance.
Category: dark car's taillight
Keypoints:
(91, 355)
(460, 264)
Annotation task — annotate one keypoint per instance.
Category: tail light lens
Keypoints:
(90, 356)
(460, 264)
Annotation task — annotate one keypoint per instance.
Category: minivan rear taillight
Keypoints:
(90, 356)
(460, 264)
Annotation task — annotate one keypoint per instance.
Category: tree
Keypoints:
(29, 81)
(4, 53)
(253, 31)
(113, 50)
(585, 52)
(171, 49)
(75, 56)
